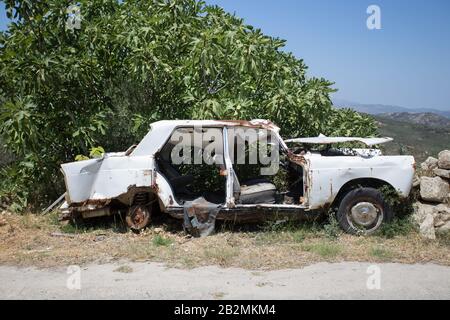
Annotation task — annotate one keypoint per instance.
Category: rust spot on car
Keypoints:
(296, 158)
(265, 124)
(154, 185)
(147, 173)
(93, 202)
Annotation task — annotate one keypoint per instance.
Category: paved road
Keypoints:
(155, 281)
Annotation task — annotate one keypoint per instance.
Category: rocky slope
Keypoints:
(410, 138)
(425, 119)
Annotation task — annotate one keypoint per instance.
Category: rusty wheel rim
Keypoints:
(366, 217)
(138, 217)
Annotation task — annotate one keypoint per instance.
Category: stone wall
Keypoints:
(432, 211)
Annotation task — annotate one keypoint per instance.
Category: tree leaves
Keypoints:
(64, 91)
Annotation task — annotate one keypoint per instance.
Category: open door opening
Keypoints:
(191, 167)
(284, 185)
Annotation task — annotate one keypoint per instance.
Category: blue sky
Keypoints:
(406, 63)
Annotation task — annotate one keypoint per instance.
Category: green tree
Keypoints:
(66, 90)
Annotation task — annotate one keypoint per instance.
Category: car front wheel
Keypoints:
(362, 211)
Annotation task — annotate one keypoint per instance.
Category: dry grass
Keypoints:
(27, 240)
(124, 269)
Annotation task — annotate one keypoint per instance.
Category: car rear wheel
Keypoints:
(363, 211)
(138, 217)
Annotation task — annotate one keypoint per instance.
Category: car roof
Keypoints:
(261, 123)
(161, 130)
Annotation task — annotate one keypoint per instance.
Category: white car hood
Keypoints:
(331, 140)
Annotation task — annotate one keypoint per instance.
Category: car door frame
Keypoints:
(231, 174)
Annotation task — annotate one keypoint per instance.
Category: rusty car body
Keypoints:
(142, 179)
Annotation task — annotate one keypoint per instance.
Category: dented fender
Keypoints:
(327, 175)
(106, 178)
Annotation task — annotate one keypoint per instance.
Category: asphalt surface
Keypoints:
(347, 280)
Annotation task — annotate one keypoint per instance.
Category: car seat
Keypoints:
(257, 191)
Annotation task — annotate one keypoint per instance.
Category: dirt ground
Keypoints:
(41, 241)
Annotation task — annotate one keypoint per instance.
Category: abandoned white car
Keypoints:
(194, 170)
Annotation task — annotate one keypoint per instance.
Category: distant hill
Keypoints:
(413, 138)
(421, 132)
(425, 119)
(381, 108)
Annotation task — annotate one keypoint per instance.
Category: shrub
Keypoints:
(399, 226)
(160, 241)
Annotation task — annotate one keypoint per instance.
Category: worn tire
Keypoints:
(362, 211)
